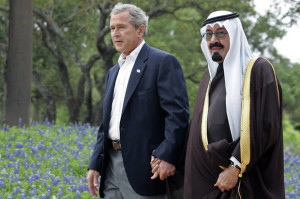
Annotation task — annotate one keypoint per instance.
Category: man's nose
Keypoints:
(116, 32)
(214, 38)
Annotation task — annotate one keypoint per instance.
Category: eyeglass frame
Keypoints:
(216, 35)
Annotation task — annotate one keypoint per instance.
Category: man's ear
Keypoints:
(141, 29)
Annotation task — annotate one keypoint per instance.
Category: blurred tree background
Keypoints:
(72, 51)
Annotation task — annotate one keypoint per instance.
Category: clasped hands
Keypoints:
(161, 168)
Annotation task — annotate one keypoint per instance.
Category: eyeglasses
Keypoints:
(219, 35)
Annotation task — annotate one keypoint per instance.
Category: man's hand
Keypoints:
(161, 168)
(228, 178)
(92, 179)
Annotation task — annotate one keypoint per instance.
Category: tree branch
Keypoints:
(103, 29)
(4, 9)
(158, 11)
(71, 17)
(46, 95)
(91, 61)
(191, 74)
(191, 79)
(53, 27)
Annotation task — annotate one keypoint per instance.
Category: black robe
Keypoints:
(264, 176)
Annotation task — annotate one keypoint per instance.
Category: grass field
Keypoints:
(50, 161)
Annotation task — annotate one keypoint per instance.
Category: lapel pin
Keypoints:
(138, 70)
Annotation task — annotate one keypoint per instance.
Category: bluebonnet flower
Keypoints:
(74, 188)
(52, 162)
(41, 132)
(80, 187)
(25, 163)
(17, 167)
(57, 147)
(86, 187)
(48, 193)
(2, 183)
(41, 146)
(9, 144)
(33, 191)
(60, 192)
(67, 179)
(34, 151)
(12, 138)
(7, 155)
(23, 195)
(17, 178)
(32, 166)
(20, 122)
(16, 190)
(9, 196)
(26, 175)
(46, 122)
(56, 181)
(10, 165)
(20, 184)
(58, 163)
(77, 195)
(19, 145)
(43, 196)
(31, 140)
(17, 152)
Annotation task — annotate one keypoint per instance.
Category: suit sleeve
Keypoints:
(171, 88)
(96, 160)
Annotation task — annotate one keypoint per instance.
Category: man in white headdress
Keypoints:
(235, 146)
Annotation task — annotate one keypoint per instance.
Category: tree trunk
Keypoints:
(43, 91)
(100, 85)
(36, 106)
(19, 63)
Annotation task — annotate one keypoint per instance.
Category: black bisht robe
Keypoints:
(264, 176)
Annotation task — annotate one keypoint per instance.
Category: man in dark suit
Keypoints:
(145, 114)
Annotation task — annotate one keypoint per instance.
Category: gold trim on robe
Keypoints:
(245, 117)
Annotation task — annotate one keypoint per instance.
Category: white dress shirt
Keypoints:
(126, 65)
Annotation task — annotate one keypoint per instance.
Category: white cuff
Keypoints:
(235, 161)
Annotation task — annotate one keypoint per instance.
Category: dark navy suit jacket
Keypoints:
(154, 119)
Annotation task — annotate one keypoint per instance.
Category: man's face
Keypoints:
(219, 43)
(124, 35)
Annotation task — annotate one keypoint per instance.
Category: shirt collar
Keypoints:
(133, 55)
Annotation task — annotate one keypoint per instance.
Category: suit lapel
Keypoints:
(107, 103)
(136, 74)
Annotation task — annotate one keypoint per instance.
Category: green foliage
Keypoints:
(45, 160)
(175, 29)
(291, 136)
(288, 74)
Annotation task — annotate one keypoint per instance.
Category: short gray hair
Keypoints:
(137, 15)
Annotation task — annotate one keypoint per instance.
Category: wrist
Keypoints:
(233, 164)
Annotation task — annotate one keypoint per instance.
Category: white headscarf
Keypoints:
(234, 65)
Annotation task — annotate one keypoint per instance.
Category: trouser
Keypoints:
(117, 185)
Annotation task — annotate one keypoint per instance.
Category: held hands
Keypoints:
(228, 178)
(161, 168)
(92, 179)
